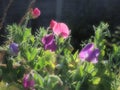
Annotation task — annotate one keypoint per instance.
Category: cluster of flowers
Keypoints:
(89, 53)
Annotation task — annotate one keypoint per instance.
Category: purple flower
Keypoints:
(49, 42)
(14, 49)
(89, 53)
(28, 82)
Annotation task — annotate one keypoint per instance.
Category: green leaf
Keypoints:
(27, 55)
(96, 80)
(75, 55)
(81, 71)
(52, 81)
(39, 79)
(30, 53)
(78, 86)
(33, 52)
(89, 67)
(40, 63)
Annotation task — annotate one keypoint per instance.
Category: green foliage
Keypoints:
(99, 39)
(19, 34)
(62, 69)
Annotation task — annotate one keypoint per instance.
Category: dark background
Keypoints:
(79, 15)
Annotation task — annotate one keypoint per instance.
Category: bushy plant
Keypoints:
(45, 61)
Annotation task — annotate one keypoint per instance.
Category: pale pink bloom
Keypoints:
(35, 13)
(60, 29)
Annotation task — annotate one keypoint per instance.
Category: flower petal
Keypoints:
(51, 46)
(84, 53)
(95, 60)
(59, 29)
(49, 42)
(47, 39)
(28, 81)
(89, 53)
(52, 24)
(93, 56)
(36, 13)
(14, 49)
(88, 47)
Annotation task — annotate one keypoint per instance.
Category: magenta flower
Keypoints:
(59, 29)
(49, 42)
(28, 82)
(89, 53)
(14, 49)
(35, 13)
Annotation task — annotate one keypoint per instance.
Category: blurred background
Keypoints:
(79, 15)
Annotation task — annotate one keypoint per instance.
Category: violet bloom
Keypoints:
(89, 53)
(28, 82)
(14, 49)
(49, 42)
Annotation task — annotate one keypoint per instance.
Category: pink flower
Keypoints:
(59, 29)
(35, 13)
(28, 82)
